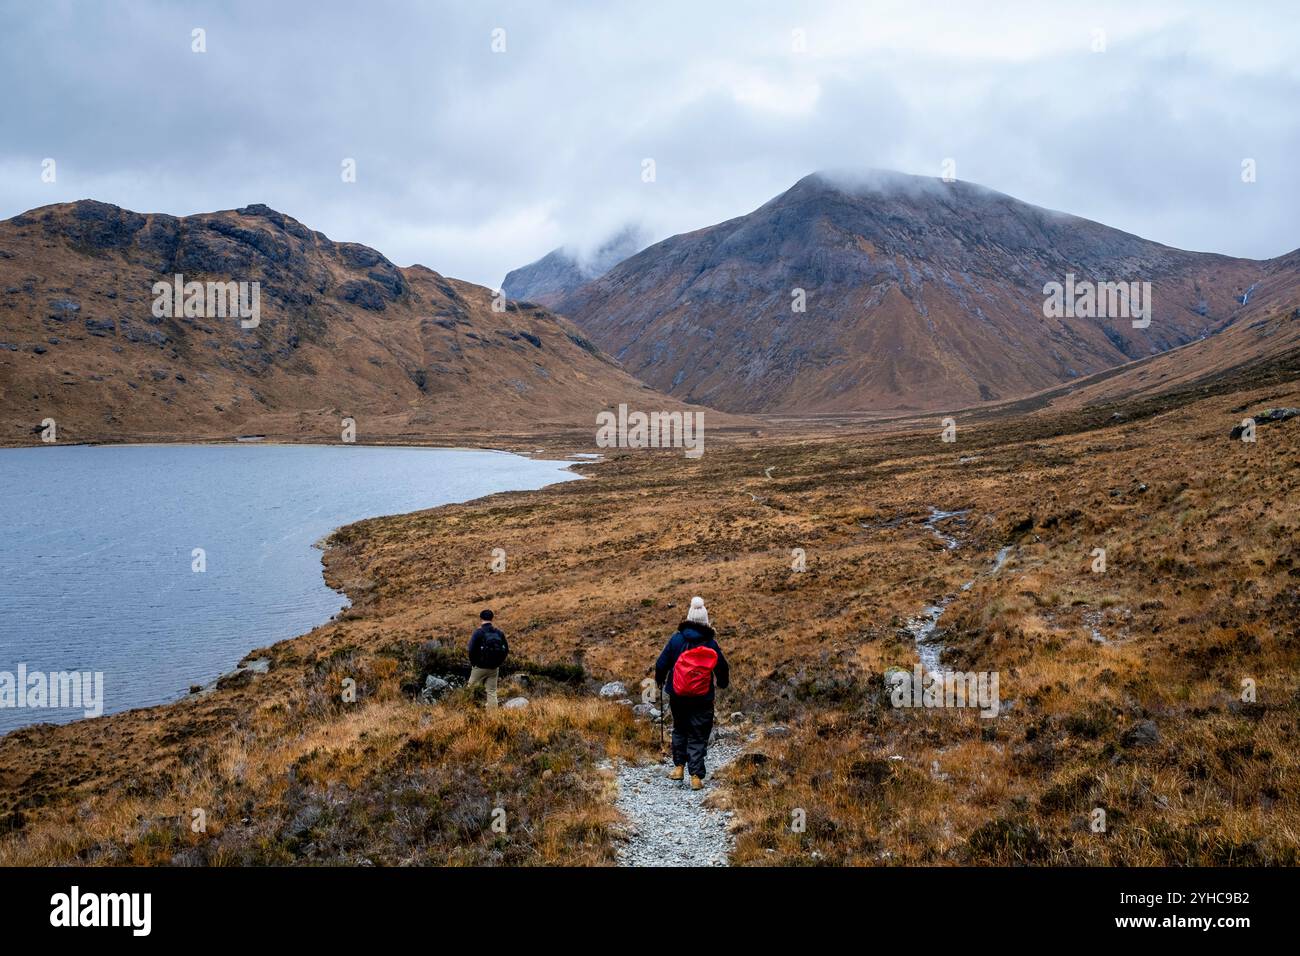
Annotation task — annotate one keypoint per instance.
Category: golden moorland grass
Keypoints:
(1200, 593)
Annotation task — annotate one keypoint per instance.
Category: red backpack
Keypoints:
(693, 672)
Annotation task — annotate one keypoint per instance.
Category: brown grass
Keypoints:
(1201, 590)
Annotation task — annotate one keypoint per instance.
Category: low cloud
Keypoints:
(474, 162)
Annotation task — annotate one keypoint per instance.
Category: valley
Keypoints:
(923, 469)
(1149, 724)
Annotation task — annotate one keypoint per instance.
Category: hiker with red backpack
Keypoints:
(689, 668)
(487, 652)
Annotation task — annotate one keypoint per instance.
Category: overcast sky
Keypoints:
(473, 162)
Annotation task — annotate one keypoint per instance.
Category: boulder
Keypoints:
(1251, 709)
(434, 687)
(1266, 418)
(516, 703)
(614, 688)
(1144, 733)
(61, 310)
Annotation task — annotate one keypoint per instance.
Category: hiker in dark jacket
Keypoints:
(488, 650)
(689, 668)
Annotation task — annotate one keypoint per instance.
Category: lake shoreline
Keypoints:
(536, 453)
(205, 678)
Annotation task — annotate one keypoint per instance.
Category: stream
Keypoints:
(922, 627)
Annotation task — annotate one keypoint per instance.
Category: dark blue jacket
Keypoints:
(476, 640)
(689, 634)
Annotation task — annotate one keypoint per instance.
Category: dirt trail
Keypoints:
(668, 824)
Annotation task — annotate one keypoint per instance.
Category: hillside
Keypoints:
(919, 294)
(342, 332)
(1119, 690)
(1261, 341)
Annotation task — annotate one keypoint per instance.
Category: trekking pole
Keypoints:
(661, 718)
(713, 734)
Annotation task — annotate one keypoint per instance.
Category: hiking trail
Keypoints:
(668, 823)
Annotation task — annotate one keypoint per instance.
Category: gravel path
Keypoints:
(668, 823)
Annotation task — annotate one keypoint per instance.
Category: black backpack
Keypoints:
(492, 650)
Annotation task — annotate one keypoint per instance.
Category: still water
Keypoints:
(97, 552)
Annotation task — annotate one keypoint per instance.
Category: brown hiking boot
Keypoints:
(677, 773)
(696, 783)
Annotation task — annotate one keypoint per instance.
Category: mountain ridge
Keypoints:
(919, 294)
(343, 332)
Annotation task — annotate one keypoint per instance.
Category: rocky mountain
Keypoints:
(917, 294)
(87, 339)
(562, 270)
(1260, 343)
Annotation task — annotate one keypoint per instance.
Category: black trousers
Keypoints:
(692, 724)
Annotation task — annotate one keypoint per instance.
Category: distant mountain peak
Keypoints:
(565, 268)
(916, 293)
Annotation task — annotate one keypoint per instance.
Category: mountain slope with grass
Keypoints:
(1119, 690)
(343, 332)
(917, 294)
(1262, 340)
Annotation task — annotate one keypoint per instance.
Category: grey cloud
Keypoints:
(474, 163)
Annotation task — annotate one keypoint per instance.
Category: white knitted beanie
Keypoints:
(698, 612)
